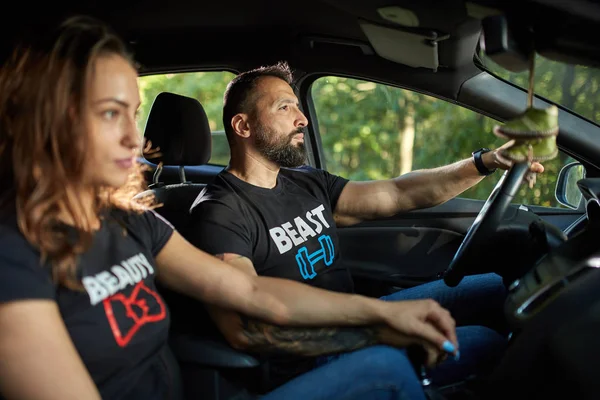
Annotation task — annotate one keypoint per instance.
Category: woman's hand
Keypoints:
(422, 322)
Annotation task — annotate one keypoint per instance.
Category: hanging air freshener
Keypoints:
(534, 132)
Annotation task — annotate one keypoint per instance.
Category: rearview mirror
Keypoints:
(567, 192)
(507, 43)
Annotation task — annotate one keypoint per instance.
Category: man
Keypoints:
(266, 216)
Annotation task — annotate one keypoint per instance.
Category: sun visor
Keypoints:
(412, 49)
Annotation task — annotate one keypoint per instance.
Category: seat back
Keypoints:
(176, 200)
(178, 131)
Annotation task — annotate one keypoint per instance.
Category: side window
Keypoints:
(373, 131)
(206, 87)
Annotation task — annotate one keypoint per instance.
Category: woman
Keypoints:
(80, 317)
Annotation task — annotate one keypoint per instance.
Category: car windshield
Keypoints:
(574, 87)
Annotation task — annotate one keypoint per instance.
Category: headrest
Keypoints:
(179, 127)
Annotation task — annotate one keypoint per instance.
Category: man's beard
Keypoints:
(280, 151)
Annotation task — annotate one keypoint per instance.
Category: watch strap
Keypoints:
(483, 170)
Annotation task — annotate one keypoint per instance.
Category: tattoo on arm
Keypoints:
(266, 338)
(272, 339)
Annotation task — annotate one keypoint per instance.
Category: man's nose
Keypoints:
(301, 119)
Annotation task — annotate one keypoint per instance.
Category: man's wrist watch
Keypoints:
(483, 170)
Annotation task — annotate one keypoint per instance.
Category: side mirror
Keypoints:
(567, 192)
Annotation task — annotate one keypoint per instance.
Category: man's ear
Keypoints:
(240, 125)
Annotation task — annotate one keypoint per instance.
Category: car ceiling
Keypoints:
(214, 32)
(313, 35)
(321, 36)
(318, 35)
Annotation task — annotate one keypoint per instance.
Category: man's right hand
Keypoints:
(422, 322)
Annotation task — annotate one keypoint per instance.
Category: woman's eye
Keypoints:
(110, 114)
(284, 108)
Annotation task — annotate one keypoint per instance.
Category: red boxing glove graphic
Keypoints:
(139, 309)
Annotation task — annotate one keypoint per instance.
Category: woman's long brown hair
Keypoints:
(44, 144)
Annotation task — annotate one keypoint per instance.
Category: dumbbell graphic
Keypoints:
(306, 262)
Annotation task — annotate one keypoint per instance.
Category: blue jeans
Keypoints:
(383, 372)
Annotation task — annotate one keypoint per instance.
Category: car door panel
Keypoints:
(416, 247)
(398, 254)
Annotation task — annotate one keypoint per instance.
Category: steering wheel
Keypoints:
(486, 222)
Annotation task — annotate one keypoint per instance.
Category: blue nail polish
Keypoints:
(448, 347)
(457, 356)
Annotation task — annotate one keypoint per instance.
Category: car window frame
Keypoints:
(304, 86)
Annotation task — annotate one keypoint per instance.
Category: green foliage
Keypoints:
(362, 124)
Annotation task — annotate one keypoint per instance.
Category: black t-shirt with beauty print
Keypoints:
(117, 320)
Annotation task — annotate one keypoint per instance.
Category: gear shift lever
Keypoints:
(418, 356)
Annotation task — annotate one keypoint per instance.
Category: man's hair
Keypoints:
(239, 96)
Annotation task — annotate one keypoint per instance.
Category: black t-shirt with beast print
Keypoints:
(287, 232)
(117, 321)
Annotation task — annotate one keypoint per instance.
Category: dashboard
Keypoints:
(563, 266)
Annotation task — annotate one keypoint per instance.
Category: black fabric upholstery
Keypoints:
(179, 126)
(175, 202)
